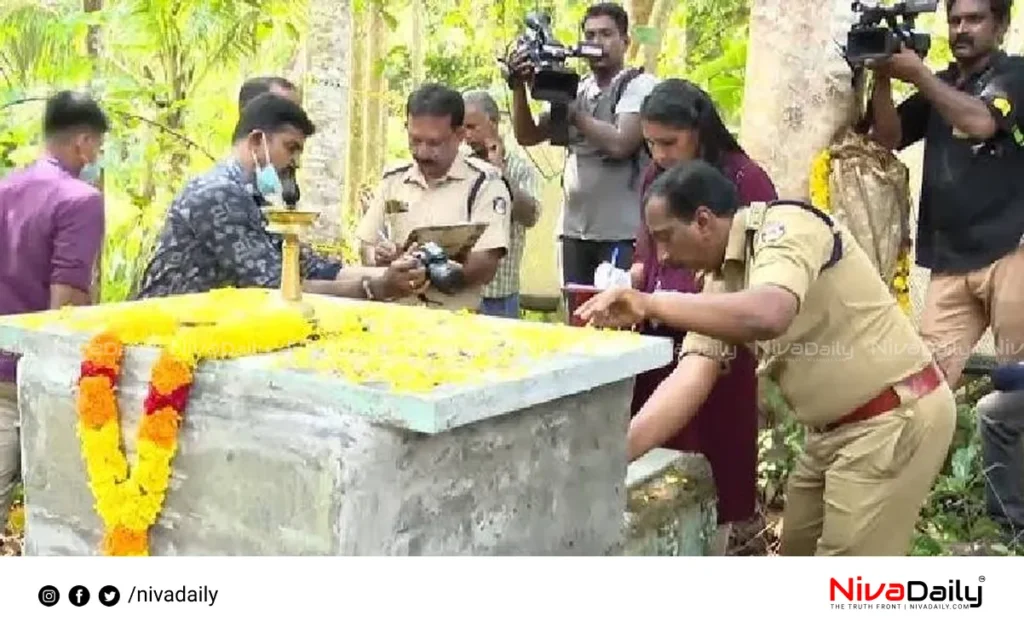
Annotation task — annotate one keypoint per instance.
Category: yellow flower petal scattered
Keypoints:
(405, 349)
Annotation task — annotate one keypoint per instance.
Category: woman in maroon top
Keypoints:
(680, 123)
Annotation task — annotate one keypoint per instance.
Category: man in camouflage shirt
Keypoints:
(215, 234)
(501, 296)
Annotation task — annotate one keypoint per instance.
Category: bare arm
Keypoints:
(636, 275)
(384, 283)
(618, 141)
(349, 283)
(672, 405)
(481, 266)
(886, 128)
(964, 112)
(756, 314)
(525, 208)
(527, 132)
(63, 295)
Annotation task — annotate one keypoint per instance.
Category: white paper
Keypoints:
(608, 276)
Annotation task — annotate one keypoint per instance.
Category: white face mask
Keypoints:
(91, 172)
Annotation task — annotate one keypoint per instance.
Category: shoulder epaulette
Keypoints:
(483, 167)
(397, 170)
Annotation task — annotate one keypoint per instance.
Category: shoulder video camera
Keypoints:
(881, 31)
(552, 80)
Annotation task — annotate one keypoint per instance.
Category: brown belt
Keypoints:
(920, 384)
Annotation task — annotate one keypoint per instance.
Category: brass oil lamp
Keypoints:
(291, 224)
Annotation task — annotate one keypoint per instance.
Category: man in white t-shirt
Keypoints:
(606, 154)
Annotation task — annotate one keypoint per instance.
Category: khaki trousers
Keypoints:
(858, 490)
(10, 448)
(959, 308)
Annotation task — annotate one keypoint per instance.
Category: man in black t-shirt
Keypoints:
(971, 213)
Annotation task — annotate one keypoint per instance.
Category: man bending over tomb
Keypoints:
(215, 236)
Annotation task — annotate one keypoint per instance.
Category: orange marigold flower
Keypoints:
(169, 374)
(160, 427)
(96, 402)
(121, 541)
(105, 350)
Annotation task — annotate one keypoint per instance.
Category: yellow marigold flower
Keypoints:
(819, 180)
(96, 402)
(169, 374)
(161, 427)
(121, 541)
(105, 350)
(153, 473)
(147, 509)
(112, 500)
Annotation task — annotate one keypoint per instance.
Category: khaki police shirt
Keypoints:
(442, 202)
(849, 340)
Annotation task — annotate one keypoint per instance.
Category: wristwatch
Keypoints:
(367, 290)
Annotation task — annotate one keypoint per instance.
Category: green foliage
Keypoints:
(953, 517)
(161, 77)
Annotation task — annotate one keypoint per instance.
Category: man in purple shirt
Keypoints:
(51, 231)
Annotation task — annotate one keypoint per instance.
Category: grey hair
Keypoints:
(485, 102)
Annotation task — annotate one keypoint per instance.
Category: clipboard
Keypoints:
(457, 240)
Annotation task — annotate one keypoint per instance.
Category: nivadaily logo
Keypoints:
(911, 594)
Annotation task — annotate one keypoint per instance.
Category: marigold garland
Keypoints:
(129, 503)
(821, 169)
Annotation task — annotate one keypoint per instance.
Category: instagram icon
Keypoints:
(49, 596)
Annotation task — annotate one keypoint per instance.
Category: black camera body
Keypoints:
(553, 82)
(443, 273)
(881, 31)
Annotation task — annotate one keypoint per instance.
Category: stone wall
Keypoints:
(670, 505)
(267, 470)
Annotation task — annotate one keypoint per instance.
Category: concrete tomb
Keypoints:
(396, 431)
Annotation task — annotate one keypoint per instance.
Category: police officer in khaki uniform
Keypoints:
(785, 280)
(440, 186)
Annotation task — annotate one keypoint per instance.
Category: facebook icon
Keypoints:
(79, 596)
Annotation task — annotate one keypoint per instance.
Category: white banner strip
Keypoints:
(499, 594)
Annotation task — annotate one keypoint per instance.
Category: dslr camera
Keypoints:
(880, 31)
(442, 273)
(552, 80)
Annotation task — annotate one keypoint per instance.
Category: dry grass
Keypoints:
(11, 541)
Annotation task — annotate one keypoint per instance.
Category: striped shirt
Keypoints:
(522, 174)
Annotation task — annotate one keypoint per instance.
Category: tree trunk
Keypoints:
(373, 99)
(327, 102)
(639, 14)
(798, 90)
(356, 124)
(418, 50)
(661, 11)
(93, 48)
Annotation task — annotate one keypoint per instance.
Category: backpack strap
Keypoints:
(758, 210)
(620, 87)
(623, 82)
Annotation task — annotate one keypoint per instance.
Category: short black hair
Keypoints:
(436, 100)
(270, 112)
(257, 86)
(694, 184)
(69, 111)
(1001, 9)
(611, 10)
(683, 105)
